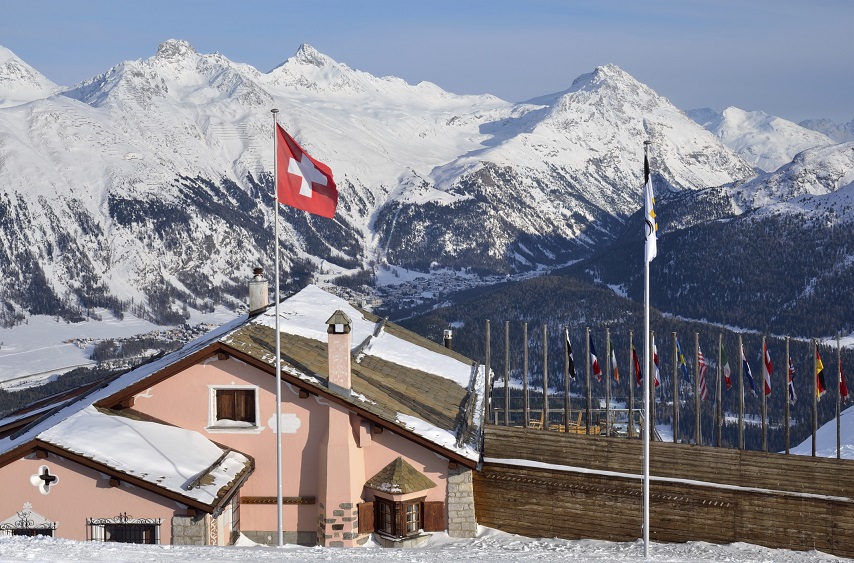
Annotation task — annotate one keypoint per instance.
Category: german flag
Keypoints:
(821, 387)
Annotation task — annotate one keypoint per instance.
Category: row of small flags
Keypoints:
(307, 184)
(704, 364)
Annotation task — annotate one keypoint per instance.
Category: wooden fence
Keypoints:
(591, 487)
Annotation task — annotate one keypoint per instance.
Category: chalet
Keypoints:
(380, 432)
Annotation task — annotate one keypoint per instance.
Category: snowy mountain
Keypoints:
(839, 133)
(21, 83)
(763, 140)
(815, 172)
(148, 187)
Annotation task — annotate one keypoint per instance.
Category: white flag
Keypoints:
(650, 224)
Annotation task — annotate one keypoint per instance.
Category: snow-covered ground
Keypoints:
(490, 545)
(43, 347)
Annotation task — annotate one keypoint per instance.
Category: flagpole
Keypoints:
(279, 529)
(566, 403)
(720, 397)
(764, 400)
(698, 436)
(506, 373)
(838, 398)
(526, 414)
(675, 424)
(740, 395)
(648, 379)
(608, 382)
(630, 429)
(788, 396)
(814, 392)
(545, 376)
(587, 371)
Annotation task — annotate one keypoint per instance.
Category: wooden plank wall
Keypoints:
(696, 492)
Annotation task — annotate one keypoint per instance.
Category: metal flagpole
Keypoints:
(814, 392)
(719, 394)
(526, 409)
(764, 372)
(647, 382)
(698, 435)
(566, 404)
(587, 367)
(675, 391)
(630, 430)
(838, 398)
(788, 397)
(608, 381)
(740, 394)
(545, 376)
(279, 531)
(506, 373)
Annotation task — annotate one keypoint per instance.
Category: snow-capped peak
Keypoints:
(609, 74)
(19, 82)
(306, 54)
(175, 49)
(765, 141)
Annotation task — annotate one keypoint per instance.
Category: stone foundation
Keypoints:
(341, 527)
(189, 530)
(462, 522)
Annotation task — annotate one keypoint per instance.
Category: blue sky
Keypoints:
(791, 58)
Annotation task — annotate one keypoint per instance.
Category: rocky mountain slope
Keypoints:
(148, 187)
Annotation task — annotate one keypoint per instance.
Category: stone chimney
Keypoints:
(338, 331)
(258, 291)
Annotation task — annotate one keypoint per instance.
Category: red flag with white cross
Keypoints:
(303, 182)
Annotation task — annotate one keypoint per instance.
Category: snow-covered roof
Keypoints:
(178, 460)
(299, 315)
(54, 428)
(408, 381)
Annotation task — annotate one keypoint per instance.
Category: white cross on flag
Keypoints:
(303, 182)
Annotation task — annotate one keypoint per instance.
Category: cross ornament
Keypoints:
(44, 480)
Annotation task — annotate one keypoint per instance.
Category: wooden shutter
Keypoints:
(244, 405)
(366, 517)
(225, 404)
(434, 516)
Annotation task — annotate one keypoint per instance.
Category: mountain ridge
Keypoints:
(149, 185)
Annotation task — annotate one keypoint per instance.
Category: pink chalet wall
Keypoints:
(185, 400)
(386, 447)
(80, 493)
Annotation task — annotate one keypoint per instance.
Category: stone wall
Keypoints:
(189, 530)
(462, 522)
(341, 527)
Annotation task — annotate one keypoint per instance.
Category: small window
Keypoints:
(234, 408)
(124, 529)
(413, 518)
(27, 522)
(398, 518)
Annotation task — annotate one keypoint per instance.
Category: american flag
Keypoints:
(701, 362)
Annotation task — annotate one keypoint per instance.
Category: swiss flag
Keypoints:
(303, 182)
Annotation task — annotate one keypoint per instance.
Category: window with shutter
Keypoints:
(234, 408)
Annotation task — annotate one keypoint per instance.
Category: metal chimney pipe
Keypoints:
(258, 291)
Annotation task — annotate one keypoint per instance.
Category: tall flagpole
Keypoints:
(647, 380)
(279, 530)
